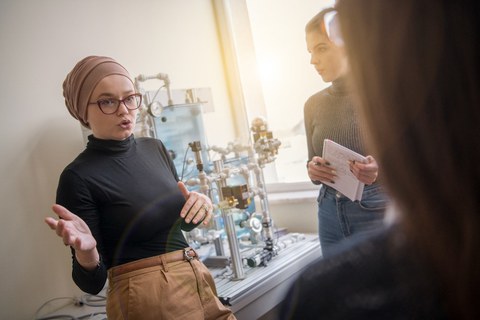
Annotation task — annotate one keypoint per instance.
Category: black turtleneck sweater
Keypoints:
(126, 191)
(330, 114)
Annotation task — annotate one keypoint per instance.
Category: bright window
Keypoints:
(286, 77)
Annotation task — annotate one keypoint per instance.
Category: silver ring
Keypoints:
(205, 207)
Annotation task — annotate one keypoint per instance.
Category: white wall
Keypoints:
(297, 215)
(40, 41)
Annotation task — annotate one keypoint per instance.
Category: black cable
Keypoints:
(184, 161)
(59, 316)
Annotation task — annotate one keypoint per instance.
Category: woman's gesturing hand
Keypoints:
(73, 230)
(198, 206)
(76, 234)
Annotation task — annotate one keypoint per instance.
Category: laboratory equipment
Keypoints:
(241, 237)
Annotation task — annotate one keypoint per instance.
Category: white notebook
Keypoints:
(339, 157)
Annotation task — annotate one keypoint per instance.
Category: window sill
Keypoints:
(291, 193)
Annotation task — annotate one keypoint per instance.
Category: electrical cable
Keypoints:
(85, 300)
(94, 300)
(73, 300)
(184, 161)
(59, 317)
(190, 173)
(90, 315)
(158, 90)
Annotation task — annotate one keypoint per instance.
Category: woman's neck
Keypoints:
(339, 86)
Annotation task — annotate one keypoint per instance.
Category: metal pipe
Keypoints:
(237, 265)
(229, 224)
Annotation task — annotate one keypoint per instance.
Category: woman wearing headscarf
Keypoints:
(122, 209)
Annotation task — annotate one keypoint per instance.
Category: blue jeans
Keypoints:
(339, 218)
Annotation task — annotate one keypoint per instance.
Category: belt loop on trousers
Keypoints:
(164, 263)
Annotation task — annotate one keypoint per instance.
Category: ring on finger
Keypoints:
(205, 207)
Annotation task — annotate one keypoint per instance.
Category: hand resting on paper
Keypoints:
(365, 172)
(320, 170)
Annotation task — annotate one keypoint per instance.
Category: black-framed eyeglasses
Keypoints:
(111, 105)
(331, 24)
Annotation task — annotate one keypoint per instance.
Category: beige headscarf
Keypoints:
(82, 80)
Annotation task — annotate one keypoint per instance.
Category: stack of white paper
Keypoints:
(339, 157)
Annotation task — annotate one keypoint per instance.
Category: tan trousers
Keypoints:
(169, 291)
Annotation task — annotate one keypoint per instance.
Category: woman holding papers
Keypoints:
(330, 114)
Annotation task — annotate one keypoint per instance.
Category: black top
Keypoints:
(379, 278)
(127, 193)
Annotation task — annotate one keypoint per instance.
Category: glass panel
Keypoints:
(177, 126)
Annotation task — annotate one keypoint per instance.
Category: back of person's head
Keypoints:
(416, 69)
(316, 23)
